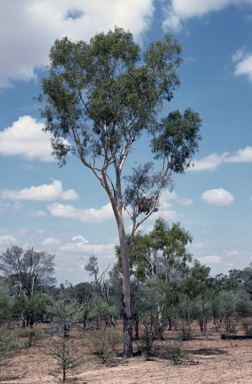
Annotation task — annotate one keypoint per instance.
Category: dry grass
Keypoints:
(208, 361)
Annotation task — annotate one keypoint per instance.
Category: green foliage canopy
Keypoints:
(100, 97)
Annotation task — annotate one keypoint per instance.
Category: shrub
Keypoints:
(149, 333)
(175, 351)
(104, 344)
(247, 326)
(184, 329)
(8, 344)
(230, 326)
(30, 335)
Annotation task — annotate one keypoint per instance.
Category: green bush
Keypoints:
(104, 344)
(175, 351)
(150, 331)
(30, 335)
(8, 344)
(184, 329)
(247, 326)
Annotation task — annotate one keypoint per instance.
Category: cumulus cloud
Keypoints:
(241, 156)
(209, 163)
(213, 161)
(210, 259)
(44, 192)
(218, 197)
(166, 198)
(166, 214)
(25, 138)
(86, 215)
(51, 241)
(83, 248)
(177, 11)
(185, 201)
(196, 245)
(231, 252)
(80, 240)
(31, 27)
(243, 63)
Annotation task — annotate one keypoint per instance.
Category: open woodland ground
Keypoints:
(208, 361)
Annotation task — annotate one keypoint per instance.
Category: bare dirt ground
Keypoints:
(212, 361)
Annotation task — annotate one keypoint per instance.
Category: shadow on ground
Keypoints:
(208, 351)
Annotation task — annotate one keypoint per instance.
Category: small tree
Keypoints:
(100, 310)
(160, 259)
(92, 267)
(197, 286)
(227, 301)
(40, 305)
(102, 97)
(68, 353)
(243, 304)
(149, 332)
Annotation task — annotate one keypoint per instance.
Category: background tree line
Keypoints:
(169, 292)
(167, 284)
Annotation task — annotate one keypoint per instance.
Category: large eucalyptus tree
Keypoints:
(102, 96)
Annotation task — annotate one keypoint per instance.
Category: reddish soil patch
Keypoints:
(212, 361)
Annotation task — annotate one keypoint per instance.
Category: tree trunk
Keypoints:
(169, 323)
(127, 321)
(136, 326)
(117, 206)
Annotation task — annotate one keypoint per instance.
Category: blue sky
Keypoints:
(63, 210)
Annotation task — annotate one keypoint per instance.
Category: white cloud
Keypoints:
(231, 252)
(45, 192)
(39, 213)
(208, 163)
(218, 197)
(3, 207)
(25, 138)
(178, 11)
(7, 240)
(210, 259)
(80, 240)
(243, 63)
(166, 215)
(196, 245)
(17, 206)
(241, 156)
(213, 161)
(107, 249)
(40, 231)
(185, 201)
(30, 27)
(165, 198)
(51, 241)
(86, 215)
